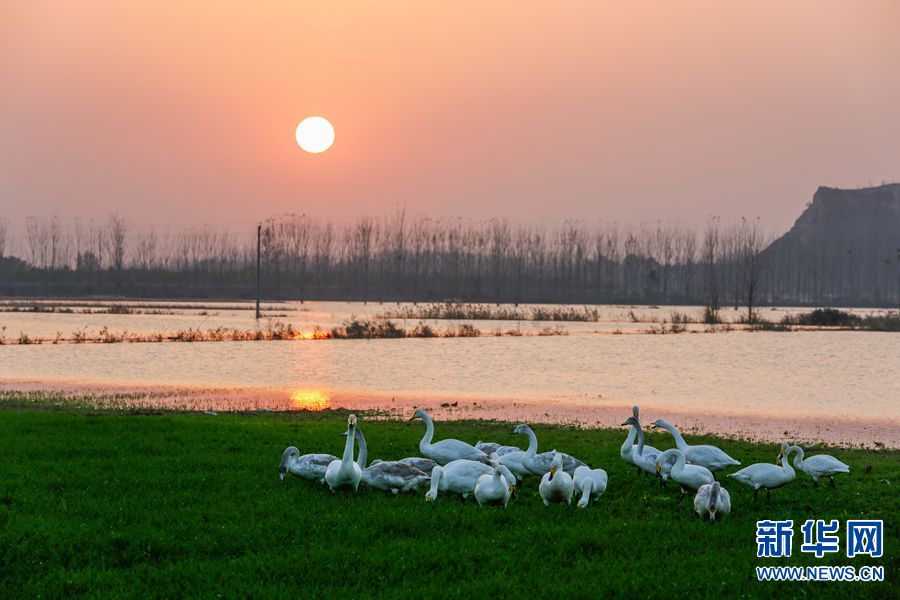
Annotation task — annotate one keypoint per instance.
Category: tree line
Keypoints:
(399, 257)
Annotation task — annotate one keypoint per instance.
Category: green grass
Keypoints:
(174, 505)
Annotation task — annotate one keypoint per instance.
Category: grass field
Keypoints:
(174, 505)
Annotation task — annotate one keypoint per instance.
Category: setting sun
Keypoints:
(315, 134)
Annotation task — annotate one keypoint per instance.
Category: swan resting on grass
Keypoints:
(590, 483)
(493, 489)
(704, 455)
(308, 466)
(540, 464)
(389, 476)
(711, 500)
(423, 464)
(345, 473)
(767, 475)
(820, 465)
(556, 484)
(461, 476)
(445, 451)
(689, 477)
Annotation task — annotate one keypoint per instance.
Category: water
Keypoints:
(836, 386)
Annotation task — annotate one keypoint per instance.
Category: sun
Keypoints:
(315, 134)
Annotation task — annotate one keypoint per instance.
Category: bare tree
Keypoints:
(749, 262)
(117, 230)
(3, 229)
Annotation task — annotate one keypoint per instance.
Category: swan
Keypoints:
(644, 457)
(308, 466)
(767, 475)
(423, 464)
(445, 451)
(345, 473)
(703, 455)
(461, 476)
(389, 476)
(514, 461)
(712, 499)
(820, 465)
(493, 489)
(539, 464)
(687, 476)
(628, 446)
(488, 447)
(590, 483)
(556, 484)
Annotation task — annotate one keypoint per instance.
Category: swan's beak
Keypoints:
(427, 498)
(778, 461)
(624, 424)
(552, 472)
(512, 489)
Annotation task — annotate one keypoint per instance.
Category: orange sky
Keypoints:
(184, 112)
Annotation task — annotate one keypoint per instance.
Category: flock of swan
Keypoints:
(490, 471)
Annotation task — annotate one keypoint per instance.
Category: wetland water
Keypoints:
(835, 386)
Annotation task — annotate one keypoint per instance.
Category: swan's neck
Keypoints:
(679, 441)
(679, 461)
(532, 443)
(714, 496)
(586, 494)
(436, 474)
(348, 447)
(640, 448)
(626, 447)
(798, 459)
(429, 433)
(786, 462)
(363, 450)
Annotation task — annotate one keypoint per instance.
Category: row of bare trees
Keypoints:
(401, 257)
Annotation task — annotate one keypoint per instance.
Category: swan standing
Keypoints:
(712, 499)
(389, 476)
(556, 484)
(308, 466)
(767, 475)
(345, 473)
(445, 451)
(644, 457)
(493, 489)
(820, 465)
(704, 455)
(461, 476)
(628, 446)
(590, 483)
(689, 477)
(539, 464)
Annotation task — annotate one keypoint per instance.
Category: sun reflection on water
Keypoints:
(310, 400)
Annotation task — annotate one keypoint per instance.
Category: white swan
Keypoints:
(514, 461)
(590, 483)
(628, 446)
(308, 466)
(711, 500)
(820, 465)
(461, 476)
(539, 464)
(487, 447)
(423, 464)
(445, 451)
(389, 476)
(767, 475)
(644, 457)
(704, 455)
(493, 489)
(689, 477)
(345, 473)
(556, 484)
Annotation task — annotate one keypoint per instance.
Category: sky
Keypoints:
(184, 112)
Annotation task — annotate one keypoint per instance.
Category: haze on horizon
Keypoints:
(173, 113)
